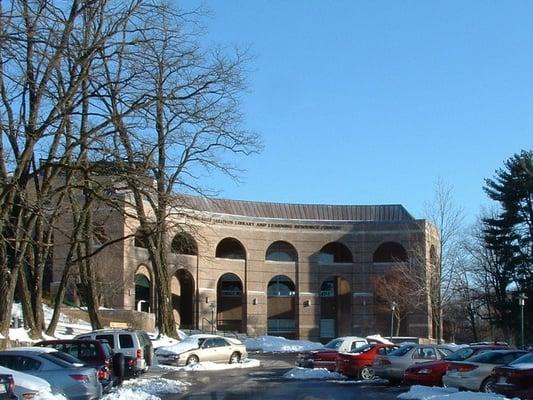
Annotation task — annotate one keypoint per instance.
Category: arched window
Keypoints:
(335, 252)
(230, 248)
(142, 293)
(281, 251)
(230, 285)
(183, 243)
(281, 286)
(141, 237)
(389, 252)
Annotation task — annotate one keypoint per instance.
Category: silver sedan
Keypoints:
(393, 365)
(198, 348)
(476, 373)
(60, 370)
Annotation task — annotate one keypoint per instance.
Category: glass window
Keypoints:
(335, 253)
(281, 251)
(356, 345)
(108, 338)
(363, 349)
(333, 344)
(59, 355)
(183, 243)
(327, 289)
(219, 342)
(443, 352)
(401, 351)
(230, 248)
(209, 343)
(125, 341)
(27, 364)
(461, 354)
(281, 286)
(390, 252)
(425, 353)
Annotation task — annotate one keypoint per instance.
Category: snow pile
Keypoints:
(316, 373)
(437, 393)
(277, 344)
(49, 396)
(211, 366)
(146, 389)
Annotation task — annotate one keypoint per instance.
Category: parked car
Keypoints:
(431, 373)
(7, 387)
(132, 343)
(26, 386)
(393, 365)
(92, 353)
(515, 379)
(74, 381)
(197, 348)
(326, 357)
(475, 373)
(358, 362)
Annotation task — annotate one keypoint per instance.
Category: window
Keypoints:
(334, 253)
(219, 342)
(333, 344)
(281, 286)
(461, 354)
(356, 345)
(230, 248)
(425, 353)
(183, 243)
(402, 351)
(390, 252)
(125, 341)
(26, 364)
(444, 352)
(109, 338)
(230, 286)
(282, 252)
(327, 289)
(209, 343)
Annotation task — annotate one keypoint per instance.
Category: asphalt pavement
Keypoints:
(267, 382)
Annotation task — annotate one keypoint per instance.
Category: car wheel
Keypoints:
(235, 358)
(487, 386)
(119, 365)
(367, 373)
(192, 360)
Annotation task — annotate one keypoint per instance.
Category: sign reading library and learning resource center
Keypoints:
(277, 225)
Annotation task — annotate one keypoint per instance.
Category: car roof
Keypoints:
(32, 349)
(67, 341)
(204, 336)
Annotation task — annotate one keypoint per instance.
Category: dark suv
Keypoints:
(92, 353)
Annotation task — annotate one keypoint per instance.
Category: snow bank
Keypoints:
(316, 373)
(49, 396)
(211, 366)
(277, 344)
(146, 389)
(436, 393)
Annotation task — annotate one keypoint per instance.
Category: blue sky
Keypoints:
(369, 102)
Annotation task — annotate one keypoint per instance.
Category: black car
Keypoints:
(7, 387)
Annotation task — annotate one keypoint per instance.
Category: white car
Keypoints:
(27, 386)
(198, 348)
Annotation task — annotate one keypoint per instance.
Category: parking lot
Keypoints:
(267, 382)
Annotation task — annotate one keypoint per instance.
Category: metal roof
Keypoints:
(315, 212)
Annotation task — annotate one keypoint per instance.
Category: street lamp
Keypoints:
(392, 309)
(522, 302)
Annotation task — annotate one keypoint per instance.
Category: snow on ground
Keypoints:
(146, 389)
(49, 396)
(277, 344)
(437, 393)
(316, 373)
(211, 366)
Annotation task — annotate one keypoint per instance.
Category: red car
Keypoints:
(358, 363)
(515, 379)
(431, 373)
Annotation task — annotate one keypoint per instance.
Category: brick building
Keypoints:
(294, 270)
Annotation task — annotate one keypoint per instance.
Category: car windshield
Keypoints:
(401, 351)
(333, 344)
(65, 357)
(526, 358)
(460, 355)
(59, 361)
(362, 349)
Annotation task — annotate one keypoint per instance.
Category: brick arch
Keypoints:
(231, 248)
(389, 252)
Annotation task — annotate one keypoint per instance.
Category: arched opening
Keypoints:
(282, 252)
(230, 311)
(230, 248)
(390, 252)
(281, 307)
(184, 243)
(143, 289)
(182, 286)
(335, 253)
(335, 308)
